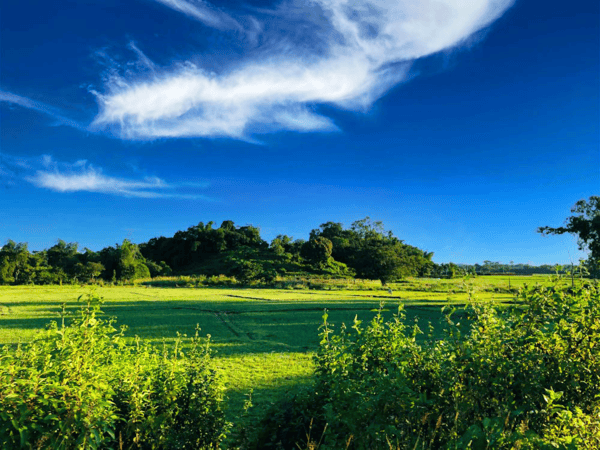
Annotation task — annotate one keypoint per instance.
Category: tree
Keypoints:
(377, 254)
(277, 246)
(585, 224)
(14, 265)
(246, 271)
(88, 271)
(317, 251)
(380, 262)
(63, 256)
(82, 272)
(344, 241)
(131, 262)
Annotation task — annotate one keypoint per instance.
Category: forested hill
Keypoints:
(365, 250)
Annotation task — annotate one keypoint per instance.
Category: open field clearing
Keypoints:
(263, 338)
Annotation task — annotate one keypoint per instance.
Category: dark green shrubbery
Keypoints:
(80, 386)
(246, 271)
(295, 421)
(524, 378)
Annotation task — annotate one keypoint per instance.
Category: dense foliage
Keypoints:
(201, 242)
(585, 224)
(372, 252)
(64, 263)
(365, 250)
(80, 386)
(527, 377)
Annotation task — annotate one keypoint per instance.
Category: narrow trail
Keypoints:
(227, 324)
(146, 295)
(251, 298)
(429, 307)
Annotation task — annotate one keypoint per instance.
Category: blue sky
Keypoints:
(462, 125)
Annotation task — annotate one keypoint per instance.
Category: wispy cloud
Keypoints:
(143, 60)
(55, 113)
(11, 167)
(203, 12)
(350, 53)
(81, 176)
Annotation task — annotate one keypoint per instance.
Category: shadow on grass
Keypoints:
(246, 421)
(235, 327)
(263, 345)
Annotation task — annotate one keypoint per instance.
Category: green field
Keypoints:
(263, 338)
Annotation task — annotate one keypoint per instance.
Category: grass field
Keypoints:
(263, 338)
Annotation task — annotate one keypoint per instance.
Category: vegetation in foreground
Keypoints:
(262, 339)
(500, 378)
(80, 386)
(526, 377)
(521, 378)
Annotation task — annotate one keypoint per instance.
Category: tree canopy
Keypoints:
(365, 250)
(585, 224)
(372, 252)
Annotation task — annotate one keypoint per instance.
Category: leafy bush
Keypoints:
(81, 386)
(268, 276)
(527, 377)
(246, 271)
(220, 280)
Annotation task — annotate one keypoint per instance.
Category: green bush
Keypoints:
(220, 280)
(268, 276)
(81, 386)
(246, 271)
(526, 377)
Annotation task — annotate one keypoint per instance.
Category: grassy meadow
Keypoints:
(263, 339)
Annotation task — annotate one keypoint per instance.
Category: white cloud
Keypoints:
(92, 180)
(143, 60)
(203, 12)
(24, 102)
(80, 176)
(366, 48)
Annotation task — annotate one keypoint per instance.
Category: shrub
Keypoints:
(81, 386)
(220, 280)
(526, 377)
(246, 271)
(268, 276)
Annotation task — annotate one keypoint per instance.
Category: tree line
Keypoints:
(365, 250)
(63, 263)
